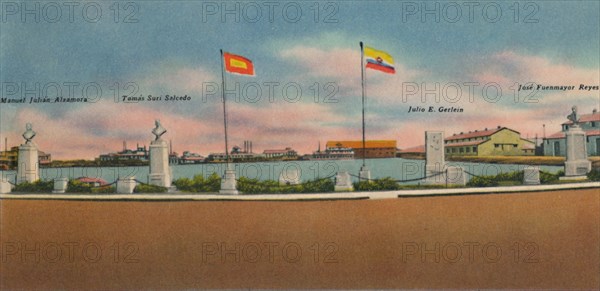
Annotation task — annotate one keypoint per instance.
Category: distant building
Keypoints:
(9, 159)
(140, 154)
(236, 155)
(191, 158)
(499, 141)
(332, 153)
(285, 154)
(373, 148)
(555, 144)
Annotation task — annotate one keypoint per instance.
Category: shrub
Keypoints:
(199, 184)
(147, 188)
(546, 177)
(38, 186)
(383, 184)
(594, 175)
(482, 181)
(75, 186)
(104, 190)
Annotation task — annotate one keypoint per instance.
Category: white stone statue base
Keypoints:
(577, 165)
(5, 187)
(228, 183)
(343, 182)
(160, 172)
(531, 175)
(60, 185)
(126, 185)
(364, 174)
(28, 164)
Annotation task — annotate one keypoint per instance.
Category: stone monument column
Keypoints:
(228, 181)
(27, 162)
(576, 165)
(160, 172)
(435, 162)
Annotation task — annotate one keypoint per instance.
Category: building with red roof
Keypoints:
(498, 141)
(555, 144)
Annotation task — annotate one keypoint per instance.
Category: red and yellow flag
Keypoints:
(238, 65)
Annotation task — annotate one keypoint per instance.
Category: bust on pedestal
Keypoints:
(160, 172)
(576, 165)
(28, 163)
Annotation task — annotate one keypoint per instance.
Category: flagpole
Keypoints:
(362, 77)
(224, 109)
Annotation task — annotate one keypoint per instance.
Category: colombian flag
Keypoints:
(379, 60)
(238, 65)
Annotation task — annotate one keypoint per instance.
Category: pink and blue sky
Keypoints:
(174, 49)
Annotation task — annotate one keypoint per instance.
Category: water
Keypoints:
(396, 168)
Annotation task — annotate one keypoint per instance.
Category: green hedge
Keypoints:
(199, 184)
(212, 184)
(511, 178)
(383, 184)
(35, 187)
(594, 175)
(147, 188)
(548, 178)
(75, 186)
(254, 186)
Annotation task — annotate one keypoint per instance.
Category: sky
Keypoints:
(307, 88)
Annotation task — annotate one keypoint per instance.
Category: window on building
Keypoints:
(593, 124)
(462, 150)
(514, 145)
(468, 149)
(474, 149)
(496, 145)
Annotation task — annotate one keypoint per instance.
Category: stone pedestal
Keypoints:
(531, 175)
(576, 165)
(455, 176)
(28, 164)
(289, 177)
(343, 182)
(364, 174)
(5, 187)
(126, 185)
(434, 157)
(160, 172)
(228, 182)
(60, 185)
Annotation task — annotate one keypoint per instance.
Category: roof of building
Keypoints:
(369, 144)
(561, 134)
(92, 180)
(466, 143)
(595, 116)
(478, 133)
